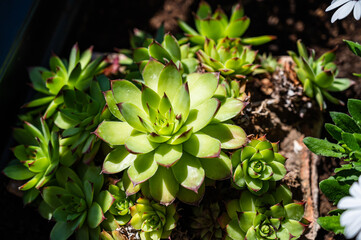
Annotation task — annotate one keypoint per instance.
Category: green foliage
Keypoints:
(168, 50)
(318, 76)
(346, 131)
(78, 203)
(217, 25)
(171, 134)
(268, 64)
(257, 165)
(76, 73)
(36, 158)
(154, 220)
(272, 216)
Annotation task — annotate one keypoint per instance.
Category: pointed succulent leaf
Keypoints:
(237, 27)
(143, 168)
(181, 102)
(112, 105)
(230, 136)
(163, 186)
(130, 189)
(294, 211)
(167, 155)
(105, 200)
(95, 215)
(151, 73)
(138, 142)
(278, 170)
(51, 195)
(234, 231)
(203, 146)
(133, 115)
(126, 92)
(61, 231)
(202, 115)
(114, 133)
(255, 41)
(201, 87)
(172, 46)
(294, 227)
(170, 80)
(150, 98)
(118, 160)
(217, 168)
(340, 84)
(158, 52)
(18, 172)
(189, 172)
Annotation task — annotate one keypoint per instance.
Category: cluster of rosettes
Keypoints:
(164, 134)
(272, 216)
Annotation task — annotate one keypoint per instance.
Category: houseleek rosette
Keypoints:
(37, 158)
(154, 220)
(78, 202)
(168, 50)
(78, 117)
(258, 164)
(172, 133)
(318, 76)
(76, 73)
(272, 216)
(217, 25)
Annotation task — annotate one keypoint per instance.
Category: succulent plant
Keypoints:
(79, 117)
(154, 220)
(268, 64)
(78, 202)
(113, 235)
(168, 50)
(120, 209)
(318, 76)
(77, 73)
(228, 57)
(258, 164)
(217, 25)
(37, 157)
(272, 216)
(172, 132)
(207, 222)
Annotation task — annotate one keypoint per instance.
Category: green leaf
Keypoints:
(112, 105)
(95, 215)
(158, 52)
(354, 108)
(340, 84)
(18, 172)
(118, 160)
(35, 75)
(181, 102)
(151, 73)
(130, 189)
(163, 186)
(218, 168)
(61, 231)
(237, 27)
(203, 146)
(171, 44)
(167, 155)
(126, 92)
(212, 28)
(234, 231)
(140, 54)
(143, 168)
(189, 172)
(334, 190)
(294, 227)
(334, 131)
(345, 122)
(354, 47)
(230, 108)
(324, 147)
(139, 143)
(133, 115)
(295, 211)
(255, 41)
(190, 197)
(150, 98)
(114, 133)
(201, 87)
(105, 200)
(170, 80)
(201, 115)
(51, 195)
(331, 223)
(231, 136)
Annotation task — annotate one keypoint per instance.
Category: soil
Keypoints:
(283, 115)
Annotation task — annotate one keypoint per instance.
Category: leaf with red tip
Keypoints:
(143, 168)
(189, 172)
(167, 155)
(203, 146)
(163, 186)
(95, 215)
(118, 160)
(114, 133)
(126, 92)
(218, 168)
(231, 136)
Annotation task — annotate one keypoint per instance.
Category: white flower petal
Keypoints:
(349, 202)
(343, 11)
(359, 236)
(336, 4)
(352, 229)
(355, 190)
(357, 10)
(350, 216)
